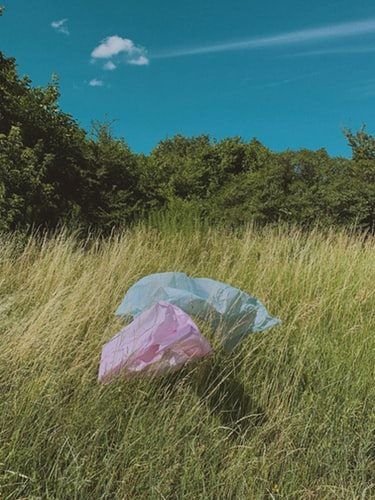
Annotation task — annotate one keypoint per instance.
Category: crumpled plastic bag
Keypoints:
(234, 310)
(160, 339)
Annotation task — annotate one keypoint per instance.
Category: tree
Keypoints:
(362, 144)
(184, 167)
(52, 172)
(24, 195)
(36, 113)
(113, 194)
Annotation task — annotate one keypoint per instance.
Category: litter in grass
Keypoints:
(160, 339)
(237, 312)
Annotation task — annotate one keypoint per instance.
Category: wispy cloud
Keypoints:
(60, 26)
(286, 81)
(96, 83)
(109, 66)
(322, 33)
(333, 51)
(115, 46)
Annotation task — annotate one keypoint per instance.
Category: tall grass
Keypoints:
(288, 415)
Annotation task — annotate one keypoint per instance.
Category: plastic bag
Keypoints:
(160, 339)
(234, 310)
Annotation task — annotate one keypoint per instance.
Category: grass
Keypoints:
(288, 415)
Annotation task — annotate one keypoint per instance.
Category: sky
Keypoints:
(291, 73)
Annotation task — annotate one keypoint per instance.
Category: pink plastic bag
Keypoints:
(162, 338)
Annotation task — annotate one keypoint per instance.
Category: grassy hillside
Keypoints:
(288, 416)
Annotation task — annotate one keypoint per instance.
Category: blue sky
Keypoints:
(291, 73)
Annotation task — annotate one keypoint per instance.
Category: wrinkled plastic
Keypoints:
(160, 339)
(234, 310)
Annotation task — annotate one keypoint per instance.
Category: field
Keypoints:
(288, 415)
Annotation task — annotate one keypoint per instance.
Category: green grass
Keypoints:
(289, 415)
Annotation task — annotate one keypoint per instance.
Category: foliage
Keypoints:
(35, 113)
(24, 194)
(90, 182)
(114, 191)
(53, 173)
(362, 144)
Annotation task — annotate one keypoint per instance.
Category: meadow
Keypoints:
(290, 414)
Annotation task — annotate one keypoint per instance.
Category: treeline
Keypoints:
(52, 172)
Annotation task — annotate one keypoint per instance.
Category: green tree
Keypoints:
(51, 172)
(183, 167)
(362, 144)
(113, 194)
(24, 195)
(36, 113)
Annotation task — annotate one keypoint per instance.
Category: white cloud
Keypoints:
(109, 65)
(96, 83)
(60, 26)
(139, 61)
(111, 46)
(114, 45)
(322, 33)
